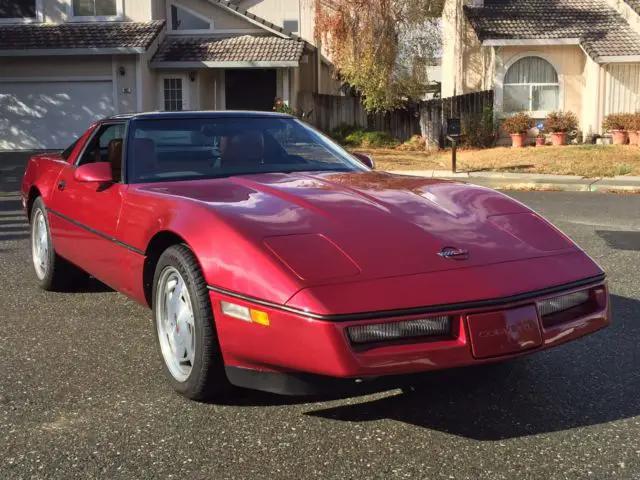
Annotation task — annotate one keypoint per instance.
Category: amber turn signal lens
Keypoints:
(245, 313)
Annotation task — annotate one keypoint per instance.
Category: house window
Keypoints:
(531, 84)
(185, 20)
(173, 95)
(20, 11)
(99, 9)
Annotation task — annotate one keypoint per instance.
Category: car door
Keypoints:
(84, 215)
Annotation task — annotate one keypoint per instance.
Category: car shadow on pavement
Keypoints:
(587, 382)
(13, 223)
(621, 240)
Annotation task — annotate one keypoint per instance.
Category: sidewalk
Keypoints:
(533, 181)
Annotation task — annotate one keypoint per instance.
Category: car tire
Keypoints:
(53, 272)
(197, 373)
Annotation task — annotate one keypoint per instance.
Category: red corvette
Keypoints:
(275, 260)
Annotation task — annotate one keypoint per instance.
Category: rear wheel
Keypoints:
(53, 272)
(184, 325)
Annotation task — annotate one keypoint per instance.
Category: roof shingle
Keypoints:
(600, 29)
(245, 48)
(79, 35)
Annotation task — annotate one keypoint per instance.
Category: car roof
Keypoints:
(198, 114)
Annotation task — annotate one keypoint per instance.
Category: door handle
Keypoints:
(61, 185)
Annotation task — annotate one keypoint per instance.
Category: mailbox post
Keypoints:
(453, 134)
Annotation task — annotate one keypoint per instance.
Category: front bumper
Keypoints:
(297, 354)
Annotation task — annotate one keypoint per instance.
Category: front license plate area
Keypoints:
(504, 332)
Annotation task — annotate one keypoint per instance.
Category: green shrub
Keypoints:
(623, 169)
(480, 131)
(339, 134)
(357, 137)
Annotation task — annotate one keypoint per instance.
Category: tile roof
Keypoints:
(600, 29)
(79, 35)
(245, 48)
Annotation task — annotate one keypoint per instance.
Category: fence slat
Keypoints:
(425, 118)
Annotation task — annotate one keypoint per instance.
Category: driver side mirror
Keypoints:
(99, 172)
(365, 159)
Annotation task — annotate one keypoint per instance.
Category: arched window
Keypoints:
(531, 85)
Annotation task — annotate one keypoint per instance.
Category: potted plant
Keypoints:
(616, 123)
(540, 137)
(633, 128)
(517, 126)
(560, 124)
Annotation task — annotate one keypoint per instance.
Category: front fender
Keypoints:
(229, 258)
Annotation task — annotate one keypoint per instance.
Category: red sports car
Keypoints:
(273, 259)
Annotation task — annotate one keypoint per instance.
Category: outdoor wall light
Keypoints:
(122, 71)
(192, 76)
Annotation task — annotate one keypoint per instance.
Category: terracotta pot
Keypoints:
(518, 139)
(559, 139)
(540, 141)
(633, 137)
(620, 137)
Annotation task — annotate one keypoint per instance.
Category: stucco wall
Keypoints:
(222, 19)
(58, 11)
(55, 66)
(451, 41)
(592, 110)
(568, 60)
(473, 69)
(126, 101)
(138, 10)
(276, 11)
(192, 88)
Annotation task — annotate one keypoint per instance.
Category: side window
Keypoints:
(98, 148)
(112, 132)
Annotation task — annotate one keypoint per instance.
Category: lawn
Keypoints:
(583, 160)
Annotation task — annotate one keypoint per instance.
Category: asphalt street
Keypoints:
(82, 393)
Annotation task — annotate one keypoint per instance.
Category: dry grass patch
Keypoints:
(584, 160)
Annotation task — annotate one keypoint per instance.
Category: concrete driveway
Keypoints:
(82, 395)
(12, 165)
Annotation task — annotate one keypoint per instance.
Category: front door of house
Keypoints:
(250, 89)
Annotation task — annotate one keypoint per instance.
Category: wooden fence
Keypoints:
(329, 112)
(475, 111)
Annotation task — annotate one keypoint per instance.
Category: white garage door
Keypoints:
(50, 115)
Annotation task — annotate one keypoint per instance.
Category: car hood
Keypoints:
(325, 226)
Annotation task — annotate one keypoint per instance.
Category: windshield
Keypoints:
(197, 148)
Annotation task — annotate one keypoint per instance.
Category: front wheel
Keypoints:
(185, 328)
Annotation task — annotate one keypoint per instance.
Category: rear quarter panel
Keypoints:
(41, 173)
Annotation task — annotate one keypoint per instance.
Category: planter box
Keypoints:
(559, 139)
(620, 137)
(518, 140)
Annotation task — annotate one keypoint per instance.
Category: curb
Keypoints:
(542, 182)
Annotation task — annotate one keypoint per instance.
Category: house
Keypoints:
(65, 63)
(544, 55)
